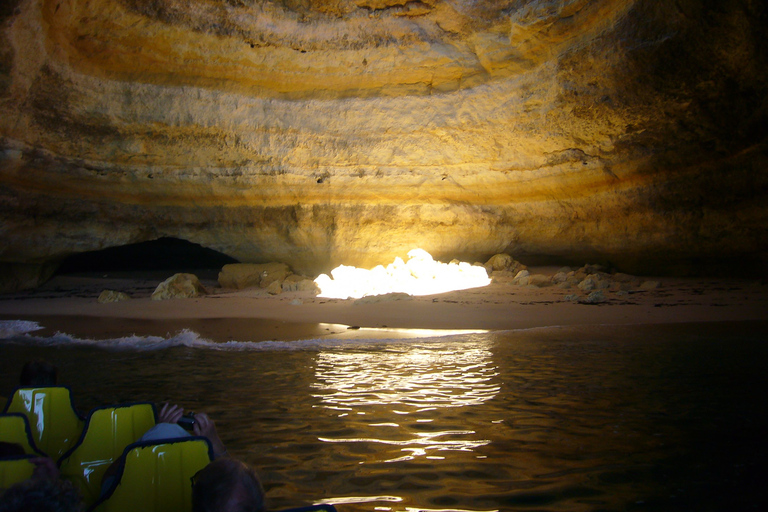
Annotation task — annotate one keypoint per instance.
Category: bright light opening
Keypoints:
(421, 275)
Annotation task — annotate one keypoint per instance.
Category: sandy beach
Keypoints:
(494, 421)
(69, 304)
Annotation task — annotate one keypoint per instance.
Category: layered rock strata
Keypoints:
(320, 132)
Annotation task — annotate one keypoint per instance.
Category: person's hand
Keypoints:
(204, 426)
(170, 413)
(45, 469)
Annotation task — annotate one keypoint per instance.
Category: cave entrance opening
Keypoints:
(165, 255)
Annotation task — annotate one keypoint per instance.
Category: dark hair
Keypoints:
(38, 374)
(227, 485)
(41, 496)
(10, 449)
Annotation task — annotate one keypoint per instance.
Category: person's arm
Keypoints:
(204, 426)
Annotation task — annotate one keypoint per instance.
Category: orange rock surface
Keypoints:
(321, 132)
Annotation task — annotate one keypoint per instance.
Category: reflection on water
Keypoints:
(407, 378)
(658, 418)
(422, 444)
(410, 380)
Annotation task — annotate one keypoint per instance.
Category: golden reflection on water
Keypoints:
(406, 386)
(391, 499)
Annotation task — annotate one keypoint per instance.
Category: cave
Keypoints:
(625, 139)
(623, 132)
(164, 254)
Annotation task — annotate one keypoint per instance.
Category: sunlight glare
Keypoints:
(421, 275)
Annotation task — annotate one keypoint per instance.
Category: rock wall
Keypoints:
(320, 132)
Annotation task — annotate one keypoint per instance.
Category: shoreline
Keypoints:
(69, 304)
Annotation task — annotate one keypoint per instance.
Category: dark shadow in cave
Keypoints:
(164, 254)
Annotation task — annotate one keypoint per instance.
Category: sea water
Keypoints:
(664, 417)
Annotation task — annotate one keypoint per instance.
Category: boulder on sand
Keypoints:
(503, 261)
(107, 296)
(179, 286)
(595, 297)
(521, 278)
(251, 275)
(297, 283)
(275, 288)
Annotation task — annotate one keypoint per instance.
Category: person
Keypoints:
(167, 427)
(227, 485)
(223, 485)
(38, 374)
(44, 491)
(10, 449)
(41, 496)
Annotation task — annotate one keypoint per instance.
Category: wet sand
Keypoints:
(69, 304)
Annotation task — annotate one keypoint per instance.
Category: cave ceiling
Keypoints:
(320, 132)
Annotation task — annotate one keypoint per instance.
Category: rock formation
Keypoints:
(246, 275)
(179, 286)
(321, 132)
(107, 296)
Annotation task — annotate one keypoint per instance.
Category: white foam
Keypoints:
(19, 332)
(184, 338)
(11, 328)
(191, 339)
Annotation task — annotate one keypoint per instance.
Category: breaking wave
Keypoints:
(21, 332)
(11, 328)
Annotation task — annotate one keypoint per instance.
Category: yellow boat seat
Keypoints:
(108, 430)
(54, 423)
(15, 469)
(157, 476)
(14, 428)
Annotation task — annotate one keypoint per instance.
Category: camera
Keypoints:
(187, 421)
